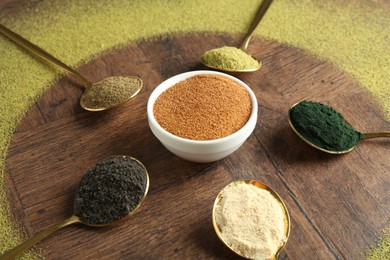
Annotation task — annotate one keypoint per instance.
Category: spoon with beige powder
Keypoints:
(251, 219)
(105, 94)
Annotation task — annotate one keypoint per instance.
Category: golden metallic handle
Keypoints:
(11, 254)
(260, 13)
(376, 135)
(41, 53)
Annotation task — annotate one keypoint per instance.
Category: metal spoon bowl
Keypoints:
(244, 45)
(12, 253)
(366, 136)
(287, 222)
(88, 85)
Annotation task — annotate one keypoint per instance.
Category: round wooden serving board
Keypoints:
(338, 204)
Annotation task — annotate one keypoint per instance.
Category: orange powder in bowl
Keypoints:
(203, 107)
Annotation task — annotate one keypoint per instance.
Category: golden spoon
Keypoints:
(94, 91)
(12, 253)
(256, 64)
(365, 135)
(259, 185)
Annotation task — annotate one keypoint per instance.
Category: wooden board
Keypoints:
(338, 204)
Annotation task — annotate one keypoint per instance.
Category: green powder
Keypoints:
(229, 58)
(382, 250)
(324, 126)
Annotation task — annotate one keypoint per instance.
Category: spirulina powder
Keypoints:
(324, 126)
(110, 190)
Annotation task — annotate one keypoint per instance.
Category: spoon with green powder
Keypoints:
(232, 59)
(105, 94)
(109, 192)
(325, 129)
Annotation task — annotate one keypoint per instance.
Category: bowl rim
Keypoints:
(182, 76)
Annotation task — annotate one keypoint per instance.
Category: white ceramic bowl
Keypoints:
(199, 150)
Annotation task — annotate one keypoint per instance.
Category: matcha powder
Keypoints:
(229, 58)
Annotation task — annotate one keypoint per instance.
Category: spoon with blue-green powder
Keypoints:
(326, 129)
(105, 94)
(232, 59)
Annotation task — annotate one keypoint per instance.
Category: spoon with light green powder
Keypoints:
(105, 94)
(232, 59)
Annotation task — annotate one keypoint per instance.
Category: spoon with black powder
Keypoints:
(109, 192)
(105, 94)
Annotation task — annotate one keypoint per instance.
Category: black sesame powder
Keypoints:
(110, 190)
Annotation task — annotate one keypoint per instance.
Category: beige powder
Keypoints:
(250, 220)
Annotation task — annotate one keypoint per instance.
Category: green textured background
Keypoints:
(354, 35)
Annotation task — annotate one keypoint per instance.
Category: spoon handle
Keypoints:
(41, 53)
(376, 135)
(11, 254)
(260, 13)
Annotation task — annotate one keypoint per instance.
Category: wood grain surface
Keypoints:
(338, 204)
